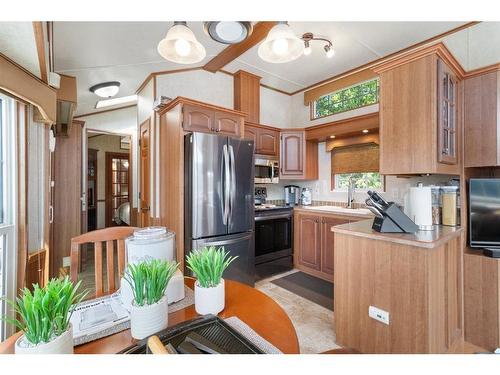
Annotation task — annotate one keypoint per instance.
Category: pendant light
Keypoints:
(181, 46)
(281, 45)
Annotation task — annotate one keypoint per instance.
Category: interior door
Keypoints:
(241, 155)
(117, 184)
(145, 177)
(206, 156)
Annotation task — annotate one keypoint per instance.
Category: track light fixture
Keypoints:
(308, 37)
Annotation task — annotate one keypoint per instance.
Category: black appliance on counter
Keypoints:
(388, 216)
(273, 240)
(484, 215)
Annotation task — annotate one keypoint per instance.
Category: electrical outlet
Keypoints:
(378, 314)
(67, 262)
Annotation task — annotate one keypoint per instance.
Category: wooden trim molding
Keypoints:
(228, 54)
(483, 70)
(438, 49)
(104, 111)
(40, 49)
(183, 100)
(20, 83)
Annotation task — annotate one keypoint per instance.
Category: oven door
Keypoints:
(273, 237)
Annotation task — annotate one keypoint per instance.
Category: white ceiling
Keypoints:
(95, 52)
(17, 41)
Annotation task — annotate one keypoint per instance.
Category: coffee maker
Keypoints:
(292, 195)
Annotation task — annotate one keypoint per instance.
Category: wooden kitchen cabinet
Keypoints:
(266, 138)
(298, 157)
(314, 242)
(420, 113)
(210, 119)
(309, 241)
(482, 120)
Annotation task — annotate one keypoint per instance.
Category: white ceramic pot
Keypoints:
(62, 344)
(148, 319)
(209, 300)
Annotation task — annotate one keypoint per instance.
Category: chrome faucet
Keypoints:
(351, 188)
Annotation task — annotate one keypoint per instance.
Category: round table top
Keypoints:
(251, 306)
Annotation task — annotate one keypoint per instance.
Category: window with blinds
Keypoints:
(360, 162)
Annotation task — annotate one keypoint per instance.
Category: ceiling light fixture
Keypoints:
(228, 32)
(116, 101)
(281, 45)
(181, 46)
(106, 89)
(328, 47)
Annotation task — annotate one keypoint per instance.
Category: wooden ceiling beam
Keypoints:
(260, 31)
(40, 48)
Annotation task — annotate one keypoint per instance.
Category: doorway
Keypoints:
(117, 189)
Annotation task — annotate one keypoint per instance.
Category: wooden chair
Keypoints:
(98, 237)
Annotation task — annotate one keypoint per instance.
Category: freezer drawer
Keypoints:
(241, 245)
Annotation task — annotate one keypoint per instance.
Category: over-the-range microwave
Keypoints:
(266, 171)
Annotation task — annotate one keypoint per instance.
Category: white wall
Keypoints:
(121, 121)
(213, 88)
(145, 100)
(275, 108)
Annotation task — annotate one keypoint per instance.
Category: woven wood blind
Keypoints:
(341, 83)
(355, 159)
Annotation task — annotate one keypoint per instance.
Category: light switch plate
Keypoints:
(67, 262)
(378, 314)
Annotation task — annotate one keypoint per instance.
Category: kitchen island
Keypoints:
(414, 280)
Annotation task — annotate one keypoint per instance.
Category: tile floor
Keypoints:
(313, 323)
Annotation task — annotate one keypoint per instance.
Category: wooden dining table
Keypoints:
(253, 307)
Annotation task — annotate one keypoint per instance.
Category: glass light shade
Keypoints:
(107, 92)
(181, 46)
(329, 51)
(307, 50)
(281, 45)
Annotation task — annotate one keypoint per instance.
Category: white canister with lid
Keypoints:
(152, 243)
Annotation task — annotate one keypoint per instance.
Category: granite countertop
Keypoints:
(336, 210)
(424, 239)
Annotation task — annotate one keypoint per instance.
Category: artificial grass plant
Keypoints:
(208, 264)
(149, 280)
(45, 313)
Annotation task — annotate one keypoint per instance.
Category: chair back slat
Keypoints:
(110, 265)
(97, 238)
(121, 257)
(98, 269)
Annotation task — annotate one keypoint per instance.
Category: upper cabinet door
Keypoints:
(447, 115)
(228, 124)
(292, 154)
(197, 119)
(268, 142)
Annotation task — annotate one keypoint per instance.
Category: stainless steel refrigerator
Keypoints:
(219, 199)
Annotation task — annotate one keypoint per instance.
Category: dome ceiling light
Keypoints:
(106, 89)
(228, 32)
(328, 47)
(281, 45)
(181, 46)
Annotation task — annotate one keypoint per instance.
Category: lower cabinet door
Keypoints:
(327, 240)
(309, 252)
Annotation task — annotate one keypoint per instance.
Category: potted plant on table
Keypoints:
(208, 264)
(149, 311)
(44, 317)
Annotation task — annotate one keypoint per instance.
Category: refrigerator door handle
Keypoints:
(227, 186)
(233, 178)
